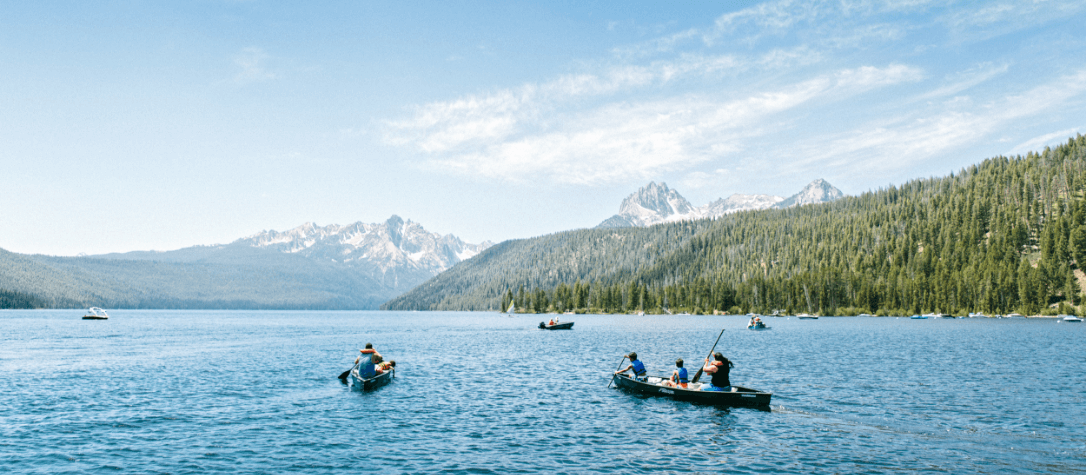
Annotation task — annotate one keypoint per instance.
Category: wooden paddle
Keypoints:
(345, 373)
(698, 374)
(609, 381)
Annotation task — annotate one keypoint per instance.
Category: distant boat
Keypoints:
(640, 313)
(556, 326)
(1071, 319)
(1015, 315)
(512, 307)
(807, 316)
(95, 313)
(977, 315)
(919, 317)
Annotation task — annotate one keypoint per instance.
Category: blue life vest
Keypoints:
(682, 375)
(638, 368)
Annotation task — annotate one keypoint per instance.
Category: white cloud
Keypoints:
(502, 135)
(965, 80)
(902, 142)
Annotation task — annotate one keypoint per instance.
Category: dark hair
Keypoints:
(679, 362)
(392, 363)
(720, 357)
(632, 355)
(369, 346)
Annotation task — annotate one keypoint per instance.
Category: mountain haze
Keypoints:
(357, 266)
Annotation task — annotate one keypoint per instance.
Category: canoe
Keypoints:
(742, 397)
(360, 384)
(757, 327)
(559, 326)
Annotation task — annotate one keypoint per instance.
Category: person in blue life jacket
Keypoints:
(367, 361)
(678, 377)
(636, 366)
(718, 370)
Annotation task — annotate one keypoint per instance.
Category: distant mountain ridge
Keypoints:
(392, 246)
(357, 266)
(656, 203)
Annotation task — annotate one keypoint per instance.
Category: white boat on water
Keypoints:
(95, 313)
(1015, 315)
(807, 316)
(1071, 319)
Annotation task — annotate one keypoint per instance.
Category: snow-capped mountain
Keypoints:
(402, 252)
(650, 205)
(654, 204)
(818, 191)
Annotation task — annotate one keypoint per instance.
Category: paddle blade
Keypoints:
(344, 375)
(697, 376)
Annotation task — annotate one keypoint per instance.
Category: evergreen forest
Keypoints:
(1006, 235)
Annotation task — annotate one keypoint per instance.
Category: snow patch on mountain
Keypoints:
(392, 249)
(656, 203)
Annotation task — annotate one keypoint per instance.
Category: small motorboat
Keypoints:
(556, 326)
(95, 313)
(1071, 319)
(919, 317)
(807, 316)
(358, 383)
(739, 397)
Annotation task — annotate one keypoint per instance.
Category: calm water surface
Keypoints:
(200, 392)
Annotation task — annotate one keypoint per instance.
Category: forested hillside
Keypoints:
(1005, 235)
(276, 281)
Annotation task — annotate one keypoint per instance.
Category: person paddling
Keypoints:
(366, 362)
(636, 366)
(719, 370)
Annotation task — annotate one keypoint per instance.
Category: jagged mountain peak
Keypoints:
(655, 199)
(817, 191)
(395, 246)
(653, 204)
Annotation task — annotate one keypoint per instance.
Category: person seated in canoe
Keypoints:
(385, 366)
(718, 370)
(366, 364)
(678, 377)
(636, 366)
(551, 322)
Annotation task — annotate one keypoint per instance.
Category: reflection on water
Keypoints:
(162, 391)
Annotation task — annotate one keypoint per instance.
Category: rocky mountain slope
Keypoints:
(656, 203)
(357, 266)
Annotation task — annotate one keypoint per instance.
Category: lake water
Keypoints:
(216, 391)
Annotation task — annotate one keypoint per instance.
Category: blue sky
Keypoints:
(130, 125)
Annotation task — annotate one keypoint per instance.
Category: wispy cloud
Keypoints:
(903, 142)
(1037, 143)
(250, 66)
(502, 136)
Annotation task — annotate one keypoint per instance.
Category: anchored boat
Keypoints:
(739, 397)
(95, 313)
